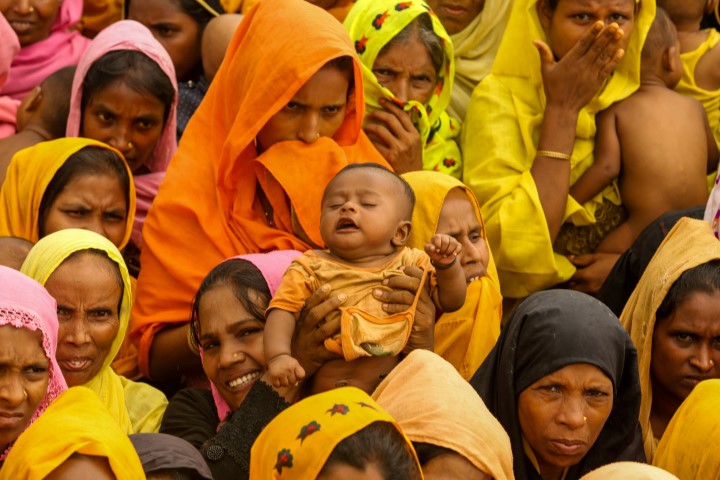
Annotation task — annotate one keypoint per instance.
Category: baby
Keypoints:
(662, 139)
(700, 54)
(42, 116)
(365, 222)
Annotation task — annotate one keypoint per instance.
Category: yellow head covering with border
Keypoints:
(30, 172)
(372, 24)
(690, 447)
(629, 471)
(298, 442)
(137, 407)
(500, 136)
(465, 337)
(75, 423)
(689, 244)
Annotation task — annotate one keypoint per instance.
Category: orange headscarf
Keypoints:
(207, 208)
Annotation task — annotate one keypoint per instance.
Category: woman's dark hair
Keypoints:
(132, 68)
(194, 9)
(379, 444)
(344, 65)
(243, 277)
(90, 160)
(422, 29)
(427, 451)
(704, 278)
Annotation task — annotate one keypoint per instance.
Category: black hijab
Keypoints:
(547, 332)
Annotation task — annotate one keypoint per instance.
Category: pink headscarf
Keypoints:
(37, 61)
(9, 47)
(24, 303)
(131, 35)
(272, 265)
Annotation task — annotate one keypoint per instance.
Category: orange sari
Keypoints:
(207, 209)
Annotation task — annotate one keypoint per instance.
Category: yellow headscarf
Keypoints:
(465, 337)
(690, 447)
(432, 404)
(74, 423)
(298, 442)
(500, 138)
(629, 471)
(372, 24)
(137, 407)
(30, 172)
(690, 243)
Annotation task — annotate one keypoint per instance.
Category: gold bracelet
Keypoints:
(551, 154)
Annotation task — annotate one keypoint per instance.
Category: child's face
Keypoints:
(570, 19)
(458, 219)
(232, 343)
(362, 214)
(177, 31)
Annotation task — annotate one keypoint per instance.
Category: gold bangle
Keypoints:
(551, 154)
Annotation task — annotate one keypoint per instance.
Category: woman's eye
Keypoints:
(104, 117)
(292, 107)
(618, 17)
(146, 124)
(583, 17)
(75, 213)
(102, 314)
(551, 388)
(332, 110)
(208, 345)
(249, 331)
(35, 369)
(684, 337)
(165, 31)
(114, 217)
(596, 393)
(475, 237)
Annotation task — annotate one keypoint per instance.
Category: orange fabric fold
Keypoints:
(207, 208)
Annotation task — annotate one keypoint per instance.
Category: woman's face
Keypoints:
(232, 343)
(128, 120)
(458, 219)
(88, 294)
(572, 18)
(452, 466)
(562, 414)
(31, 20)
(177, 31)
(407, 70)
(23, 379)
(317, 110)
(686, 346)
(455, 15)
(343, 471)
(94, 202)
(83, 467)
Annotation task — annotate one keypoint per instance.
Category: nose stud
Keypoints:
(585, 419)
(25, 393)
(129, 145)
(31, 9)
(235, 355)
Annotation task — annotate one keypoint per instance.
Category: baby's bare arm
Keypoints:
(606, 164)
(443, 251)
(278, 334)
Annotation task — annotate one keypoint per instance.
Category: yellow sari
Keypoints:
(465, 337)
(500, 136)
(372, 24)
(75, 423)
(136, 406)
(690, 447)
(30, 172)
(689, 244)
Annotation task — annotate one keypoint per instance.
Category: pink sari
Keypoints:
(24, 303)
(37, 61)
(131, 35)
(9, 47)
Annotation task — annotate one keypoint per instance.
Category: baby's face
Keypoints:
(459, 220)
(365, 373)
(361, 214)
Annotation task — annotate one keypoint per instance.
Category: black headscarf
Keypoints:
(159, 451)
(547, 332)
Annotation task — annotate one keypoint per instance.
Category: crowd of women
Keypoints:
(164, 162)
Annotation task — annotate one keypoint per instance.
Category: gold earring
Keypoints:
(130, 145)
(31, 9)
(235, 354)
(26, 394)
(585, 418)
